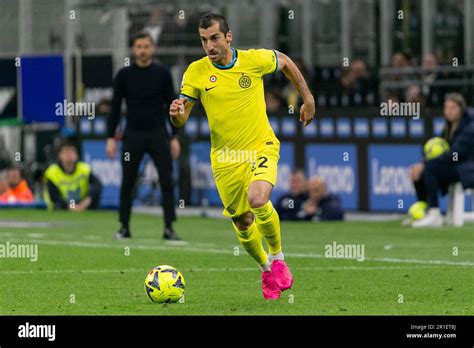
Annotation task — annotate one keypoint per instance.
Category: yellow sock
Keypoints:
(268, 223)
(251, 240)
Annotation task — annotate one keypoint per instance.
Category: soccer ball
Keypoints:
(417, 210)
(435, 147)
(164, 284)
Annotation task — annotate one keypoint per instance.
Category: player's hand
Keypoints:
(111, 147)
(307, 111)
(416, 171)
(310, 208)
(82, 205)
(175, 148)
(77, 208)
(177, 107)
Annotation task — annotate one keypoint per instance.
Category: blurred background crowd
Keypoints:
(354, 54)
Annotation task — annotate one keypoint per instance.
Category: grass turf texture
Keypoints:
(77, 256)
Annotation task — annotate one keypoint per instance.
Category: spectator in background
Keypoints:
(289, 205)
(400, 60)
(428, 77)
(393, 98)
(429, 61)
(70, 183)
(15, 189)
(103, 108)
(356, 83)
(433, 176)
(415, 95)
(321, 205)
(174, 30)
(356, 77)
(347, 81)
(359, 69)
(154, 27)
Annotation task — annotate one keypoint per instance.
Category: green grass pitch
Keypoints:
(81, 270)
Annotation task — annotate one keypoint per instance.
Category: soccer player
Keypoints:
(229, 83)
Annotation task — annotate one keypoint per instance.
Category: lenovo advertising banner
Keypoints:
(337, 164)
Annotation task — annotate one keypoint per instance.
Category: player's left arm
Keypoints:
(291, 71)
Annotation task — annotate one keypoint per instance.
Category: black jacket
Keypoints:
(148, 92)
(292, 211)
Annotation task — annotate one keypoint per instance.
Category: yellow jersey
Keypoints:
(234, 100)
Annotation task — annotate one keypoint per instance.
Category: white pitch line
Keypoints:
(394, 260)
(115, 245)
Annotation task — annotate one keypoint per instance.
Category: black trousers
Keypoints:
(134, 146)
(436, 179)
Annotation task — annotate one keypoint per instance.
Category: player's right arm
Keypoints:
(180, 110)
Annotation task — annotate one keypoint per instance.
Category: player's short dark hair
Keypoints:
(67, 143)
(209, 19)
(142, 35)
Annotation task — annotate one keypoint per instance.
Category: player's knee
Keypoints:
(243, 221)
(257, 200)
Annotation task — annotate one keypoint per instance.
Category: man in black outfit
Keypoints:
(148, 90)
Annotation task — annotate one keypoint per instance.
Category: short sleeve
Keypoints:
(267, 60)
(189, 88)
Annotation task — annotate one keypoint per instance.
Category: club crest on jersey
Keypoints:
(245, 81)
(213, 78)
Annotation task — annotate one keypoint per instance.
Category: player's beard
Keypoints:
(144, 59)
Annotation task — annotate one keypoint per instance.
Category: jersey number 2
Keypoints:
(262, 163)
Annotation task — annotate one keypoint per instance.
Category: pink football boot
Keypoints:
(282, 274)
(270, 288)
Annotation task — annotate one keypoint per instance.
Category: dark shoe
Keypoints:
(123, 233)
(170, 234)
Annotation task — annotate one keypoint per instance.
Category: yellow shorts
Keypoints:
(233, 184)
